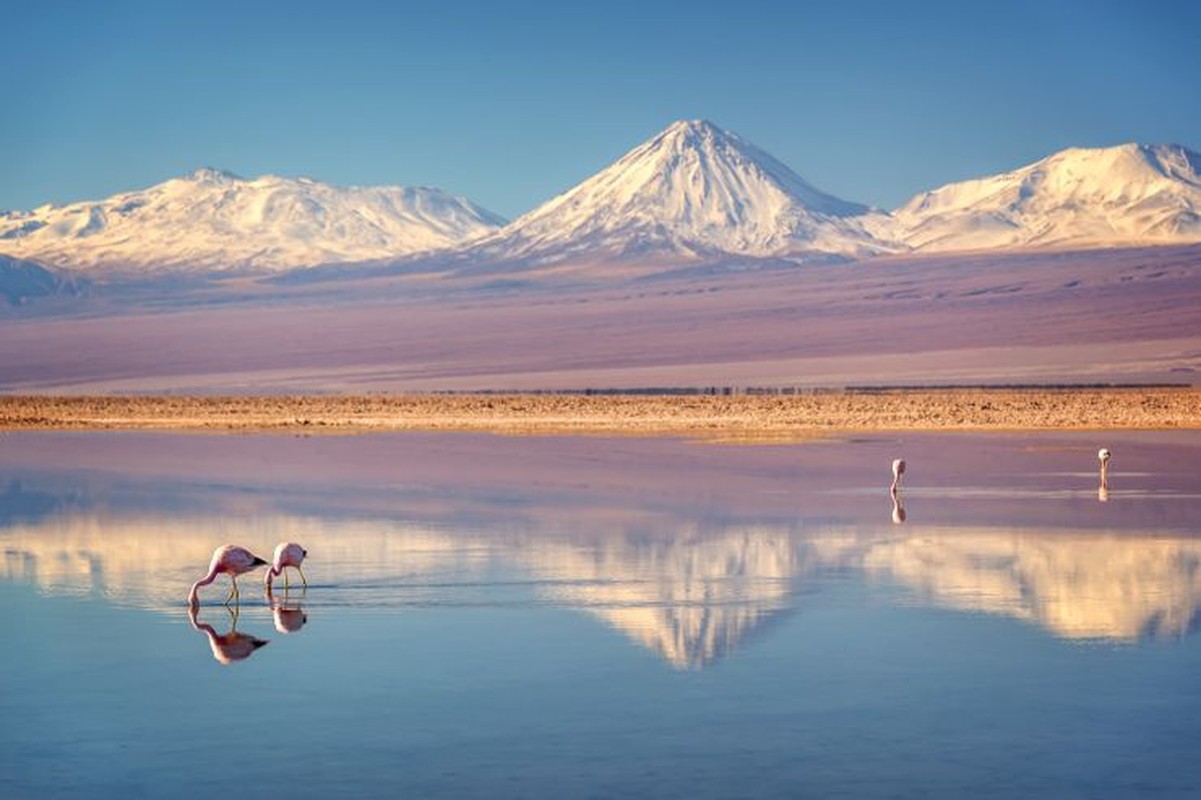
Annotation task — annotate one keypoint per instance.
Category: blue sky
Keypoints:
(511, 102)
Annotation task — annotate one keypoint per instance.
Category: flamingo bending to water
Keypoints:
(287, 554)
(233, 561)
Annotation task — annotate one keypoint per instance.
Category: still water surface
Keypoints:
(589, 617)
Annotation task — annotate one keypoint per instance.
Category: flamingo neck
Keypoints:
(205, 628)
(193, 596)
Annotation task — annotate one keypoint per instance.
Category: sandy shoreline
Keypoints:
(743, 417)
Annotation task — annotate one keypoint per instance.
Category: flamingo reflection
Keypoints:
(227, 647)
(288, 617)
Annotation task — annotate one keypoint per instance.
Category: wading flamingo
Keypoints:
(233, 561)
(1103, 457)
(287, 554)
(898, 469)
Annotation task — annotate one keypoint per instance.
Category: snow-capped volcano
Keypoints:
(693, 193)
(212, 220)
(1129, 194)
(693, 190)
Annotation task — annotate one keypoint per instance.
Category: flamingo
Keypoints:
(898, 469)
(1103, 457)
(287, 554)
(233, 561)
(898, 509)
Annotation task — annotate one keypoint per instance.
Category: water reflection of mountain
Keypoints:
(1075, 585)
(691, 594)
(18, 505)
(689, 598)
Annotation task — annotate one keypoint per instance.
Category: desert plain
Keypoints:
(1036, 340)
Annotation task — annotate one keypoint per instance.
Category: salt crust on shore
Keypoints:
(738, 417)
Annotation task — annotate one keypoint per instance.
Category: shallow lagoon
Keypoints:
(512, 617)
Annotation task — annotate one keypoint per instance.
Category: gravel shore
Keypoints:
(769, 417)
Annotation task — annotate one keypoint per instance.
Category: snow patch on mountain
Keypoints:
(212, 220)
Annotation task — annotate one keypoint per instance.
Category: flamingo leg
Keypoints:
(287, 585)
(233, 590)
(302, 577)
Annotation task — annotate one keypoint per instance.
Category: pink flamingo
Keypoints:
(233, 561)
(898, 469)
(287, 554)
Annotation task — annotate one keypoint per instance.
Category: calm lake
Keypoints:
(602, 617)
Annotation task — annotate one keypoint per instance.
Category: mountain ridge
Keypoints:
(692, 194)
(1130, 193)
(214, 220)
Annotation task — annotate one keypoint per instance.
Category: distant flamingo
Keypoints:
(233, 561)
(287, 554)
(1103, 457)
(898, 469)
(227, 647)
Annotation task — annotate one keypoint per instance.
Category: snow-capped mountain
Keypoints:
(692, 191)
(215, 221)
(21, 280)
(1132, 194)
